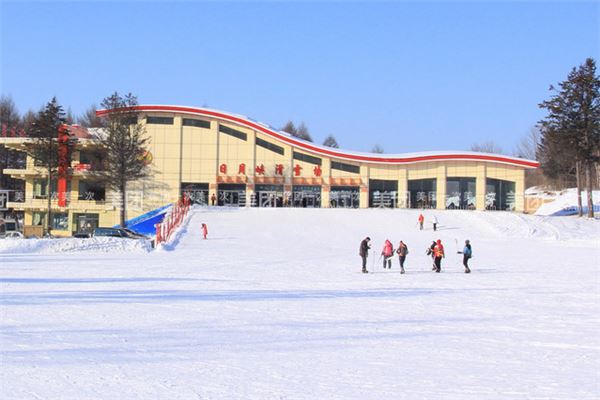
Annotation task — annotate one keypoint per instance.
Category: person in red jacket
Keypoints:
(438, 252)
(421, 220)
(204, 230)
(387, 253)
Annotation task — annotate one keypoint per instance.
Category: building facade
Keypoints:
(223, 159)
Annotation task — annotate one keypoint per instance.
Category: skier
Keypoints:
(438, 252)
(421, 220)
(387, 253)
(402, 252)
(434, 222)
(204, 230)
(467, 253)
(364, 253)
(431, 253)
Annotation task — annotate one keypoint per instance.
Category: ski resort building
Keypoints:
(223, 159)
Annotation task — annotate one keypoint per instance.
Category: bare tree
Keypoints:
(377, 149)
(528, 145)
(10, 123)
(126, 146)
(331, 142)
(487, 147)
(89, 119)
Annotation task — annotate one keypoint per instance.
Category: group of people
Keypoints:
(436, 251)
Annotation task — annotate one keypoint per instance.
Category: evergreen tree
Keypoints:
(126, 146)
(45, 147)
(377, 149)
(571, 130)
(303, 132)
(290, 128)
(331, 142)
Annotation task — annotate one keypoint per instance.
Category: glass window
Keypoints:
(60, 221)
(460, 193)
(355, 169)
(232, 132)
(307, 158)
(38, 218)
(422, 193)
(91, 191)
(269, 146)
(159, 120)
(198, 123)
(383, 193)
(499, 194)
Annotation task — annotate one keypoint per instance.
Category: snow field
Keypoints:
(273, 306)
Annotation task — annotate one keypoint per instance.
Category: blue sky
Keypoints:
(409, 76)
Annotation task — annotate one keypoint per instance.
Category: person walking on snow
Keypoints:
(364, 253)
(431, 253)
(421, 220)
(438, 252)
(467, 253)
(434, 221)
(204, 230)
(387, 253)
(402, 252)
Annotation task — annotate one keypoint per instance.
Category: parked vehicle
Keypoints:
(82, 235)
(7, 226)
(118, 232)
(13, 235)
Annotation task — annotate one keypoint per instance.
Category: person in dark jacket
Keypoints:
(402, 252)
(467, 254)
(364, 253)
(430, 253)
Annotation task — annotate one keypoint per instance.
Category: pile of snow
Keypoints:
(62, 245)
(564, 203)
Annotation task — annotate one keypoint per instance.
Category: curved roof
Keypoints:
(405, 158)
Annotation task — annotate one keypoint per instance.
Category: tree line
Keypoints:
(124, 139)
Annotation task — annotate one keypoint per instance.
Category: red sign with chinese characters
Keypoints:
(279, 169)
(242, 169)
(297, 170)
(260, 169)
(223, 168)
(317, 170)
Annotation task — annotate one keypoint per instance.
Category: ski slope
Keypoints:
(273, 306)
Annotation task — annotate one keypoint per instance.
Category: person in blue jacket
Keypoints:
(467, 253)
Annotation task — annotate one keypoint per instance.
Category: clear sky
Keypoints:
(409, 76)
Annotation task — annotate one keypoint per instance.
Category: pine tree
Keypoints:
(126, 146)
(573, 125)
(45, 147)
(377, 149)
(290, 128)
(331, 142)
(303, 132)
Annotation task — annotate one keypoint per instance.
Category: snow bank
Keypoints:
(565, 202)
(96, 244)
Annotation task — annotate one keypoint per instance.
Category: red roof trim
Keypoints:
(332, 153)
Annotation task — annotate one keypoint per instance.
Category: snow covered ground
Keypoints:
(562, 202)
(273, 306)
